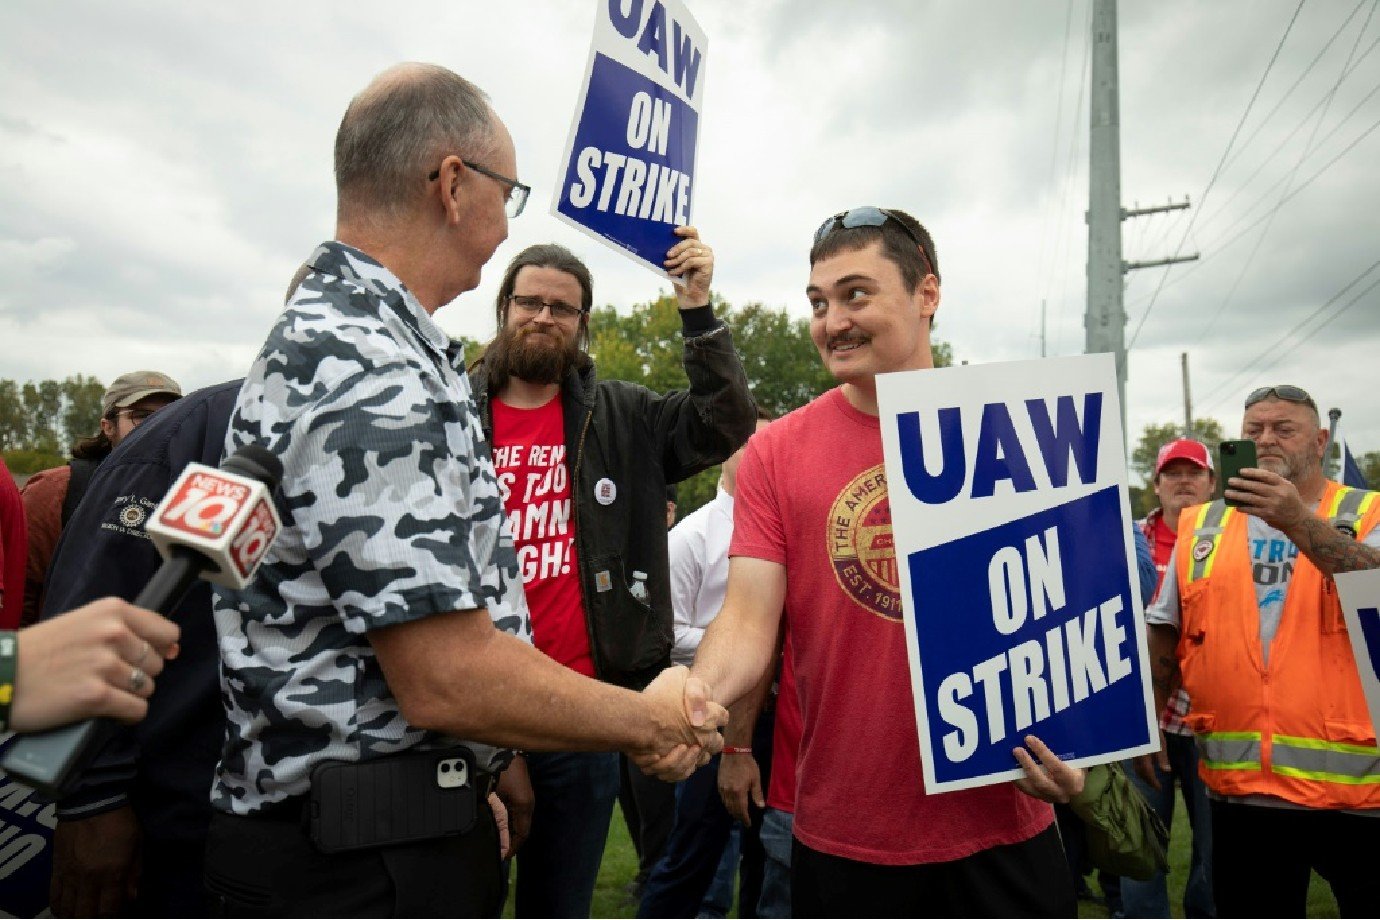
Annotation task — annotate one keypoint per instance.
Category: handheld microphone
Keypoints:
(215, 524)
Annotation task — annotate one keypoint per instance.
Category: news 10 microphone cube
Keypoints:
(227, 518)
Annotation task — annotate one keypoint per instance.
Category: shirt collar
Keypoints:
(335, 258)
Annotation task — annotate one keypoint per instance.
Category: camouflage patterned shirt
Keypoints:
(391, 513)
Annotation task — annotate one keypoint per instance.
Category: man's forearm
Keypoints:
(733, 657)
(454, 674)
(1331, 550)
(1164, 663)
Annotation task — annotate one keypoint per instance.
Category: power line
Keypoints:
(1071, 172)
(1218, 248)
(1295, 85)
(1250, 365)
(1287, 198)
(1298, 163)
(1282, 354)
(1202, 199)
(1282, 144)
(1051, 215)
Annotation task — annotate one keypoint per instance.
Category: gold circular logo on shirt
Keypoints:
(861, 547)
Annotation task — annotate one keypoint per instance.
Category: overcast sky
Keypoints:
(165, 166)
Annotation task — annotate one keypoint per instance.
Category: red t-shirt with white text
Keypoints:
(811, 495)
(529, 457)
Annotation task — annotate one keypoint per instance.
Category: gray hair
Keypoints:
(398, 130)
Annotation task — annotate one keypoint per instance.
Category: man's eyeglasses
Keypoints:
(532, 306)
(135, 416)
(1285, 392)
(869, 216)
(517, 192)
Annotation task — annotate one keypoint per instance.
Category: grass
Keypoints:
(1320, 900)
(620, 865)
(616, 871)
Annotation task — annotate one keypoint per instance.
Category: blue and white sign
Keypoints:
(1359, 593)
(1021, 602)
(26, 852)
(630, 161)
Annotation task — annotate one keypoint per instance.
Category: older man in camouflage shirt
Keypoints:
(389, 618)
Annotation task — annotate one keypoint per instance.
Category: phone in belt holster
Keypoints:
(402, 798)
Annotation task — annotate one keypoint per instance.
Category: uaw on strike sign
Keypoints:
(1012, 527)
(630, 160)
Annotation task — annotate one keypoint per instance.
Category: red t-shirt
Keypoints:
(785, 739)
(529, 457)
(13, 550)
(812, 496)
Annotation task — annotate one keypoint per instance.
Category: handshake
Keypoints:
(685, 726)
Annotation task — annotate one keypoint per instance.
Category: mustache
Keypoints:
(847, 338)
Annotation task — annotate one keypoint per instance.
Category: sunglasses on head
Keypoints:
(1285, 392)
(869, 216)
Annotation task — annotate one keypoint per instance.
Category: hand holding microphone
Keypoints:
(215, 524)
(97, 660)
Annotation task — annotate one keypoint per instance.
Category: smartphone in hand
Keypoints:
(1235, 456)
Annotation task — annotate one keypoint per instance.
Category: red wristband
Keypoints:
(737, 750)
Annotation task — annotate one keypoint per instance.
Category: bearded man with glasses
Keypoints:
(1248, 622)
(582, 466)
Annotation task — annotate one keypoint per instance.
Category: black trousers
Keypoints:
(265, 867)
(1027, 879)
(649, 809)
(1261, 857)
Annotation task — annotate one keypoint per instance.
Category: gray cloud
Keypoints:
(164, 167)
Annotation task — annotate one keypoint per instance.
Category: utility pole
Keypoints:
(1105, 319)
(1188, 400)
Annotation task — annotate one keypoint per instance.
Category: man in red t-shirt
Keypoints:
(1183, 477)
(582, 466)
(812, 540)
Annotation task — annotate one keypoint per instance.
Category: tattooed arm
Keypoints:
(1164, 662)
(1331, 550)
(1276, 501)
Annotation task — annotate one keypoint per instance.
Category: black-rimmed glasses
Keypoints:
(532, 306)
(870, 216)
(1285, 392)
(517, 192)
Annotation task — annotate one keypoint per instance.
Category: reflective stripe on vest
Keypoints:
(1329, 761)
(1229, 750)
(1348, 506)
(1207, 533)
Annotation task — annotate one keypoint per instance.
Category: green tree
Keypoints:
(43, 415)
(781, 362)
(1152, 438)
(13, 426)
(1370, 466)
(81, 414)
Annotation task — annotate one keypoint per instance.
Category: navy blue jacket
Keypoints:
(162, 766)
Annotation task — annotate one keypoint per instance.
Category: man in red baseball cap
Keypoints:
(1183, 477)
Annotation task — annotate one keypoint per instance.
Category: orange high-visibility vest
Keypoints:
(1299, 728)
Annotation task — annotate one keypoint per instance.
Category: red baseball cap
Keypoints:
(1194, 452)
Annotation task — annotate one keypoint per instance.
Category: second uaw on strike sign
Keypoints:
(1013, 538)
(629, 173)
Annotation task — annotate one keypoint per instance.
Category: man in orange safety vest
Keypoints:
(1248, 620)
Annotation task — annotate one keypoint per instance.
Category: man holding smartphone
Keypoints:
(1248, 621)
